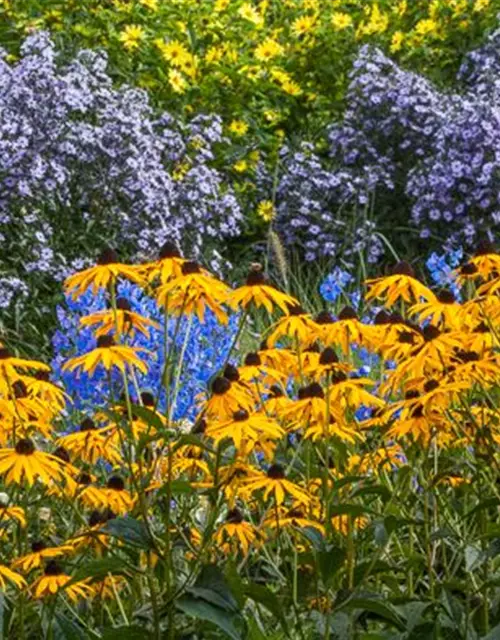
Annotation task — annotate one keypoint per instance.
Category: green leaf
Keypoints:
(265, 597)
(314, 536)
(494, 634)
(149, 417)
(485, 504)
(379, 608)
(376, 490)
(203, 610)
(130, 531)
(211, 586)
(330, 562)
(99, 569)
(66, 629)
(133, 632)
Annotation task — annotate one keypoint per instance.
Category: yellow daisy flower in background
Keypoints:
(177, 81)
(402, 284)
(132, 36)
(303, 25)
(39, 553)
(238, 127)
(341, 20)
(266, 210)
(268, 50)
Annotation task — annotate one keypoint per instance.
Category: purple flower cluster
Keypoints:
(411, 148)
(83, 164)
(323, 211)
(440, 150)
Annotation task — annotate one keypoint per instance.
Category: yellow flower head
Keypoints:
(131, 36)
(250, 13)
(177, 81)
(238, 127)
(303, 25)
(266, 210)
(268, 49)
(397, 41)
(341, 20)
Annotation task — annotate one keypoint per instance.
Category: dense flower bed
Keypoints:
(83, 164)
(297, 492)
(263, 66)
(407, 145)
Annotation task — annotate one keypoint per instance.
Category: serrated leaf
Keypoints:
(203, 610)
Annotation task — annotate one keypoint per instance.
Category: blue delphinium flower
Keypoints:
(441, 267)
(334, 284)
(205, 346)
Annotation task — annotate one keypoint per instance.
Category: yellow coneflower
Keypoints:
(345, 331)
(55, 580)
(168, 266)
(118, 498)
(121, 320)
(10, 365)
(444, 311)
(194, 291)
(253, 370)
(8, 576)
(226, 398)
(275, 483)
(108, 354)
(90, 444)
(244, 427)
(320, 430)
(328, 364)
(275, 401)
(290, 518)
(259, 292)
(298, 325)
(235, 533)
(24, 463)
(470, 367)
(431, 357)
(15, 514)
(190, 460)
(234, 477)
(401, 285)
(486, 260)
(39, 553)
(104, 274)
(310, 406)
(41, 388)
(281, 359)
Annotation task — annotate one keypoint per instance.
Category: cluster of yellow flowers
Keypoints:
(276, 437)
(244, 59)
